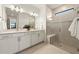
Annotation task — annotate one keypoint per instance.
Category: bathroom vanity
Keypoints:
(15, 41)
(16, 36)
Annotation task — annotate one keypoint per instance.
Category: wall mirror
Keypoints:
(26, 20)
(20, 20)
(11, 18)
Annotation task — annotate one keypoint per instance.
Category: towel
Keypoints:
(74, 28)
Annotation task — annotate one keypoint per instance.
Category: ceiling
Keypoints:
(53, 6)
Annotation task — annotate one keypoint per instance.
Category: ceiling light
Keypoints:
(50, 19)
(63, 8)
(33, 14)
(49, 16)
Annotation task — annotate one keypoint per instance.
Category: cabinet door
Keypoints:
(3, 45)
(41, 36)
(25, 41)
(8, 44)
(12, 44)
(34, 38)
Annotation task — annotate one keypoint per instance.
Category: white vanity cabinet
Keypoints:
(34, 38)
(3, 44)
(31, 38)
(24, 41)
(12, 44)
(8, 44)
(41, 35)
(15, 42)
(37, 36)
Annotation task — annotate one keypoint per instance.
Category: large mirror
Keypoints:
(19, 20)
(25, 20)
(11, 18)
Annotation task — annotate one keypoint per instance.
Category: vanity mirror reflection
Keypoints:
(25, 20)
(19, 20)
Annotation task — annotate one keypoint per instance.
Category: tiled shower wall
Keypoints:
(60, 24)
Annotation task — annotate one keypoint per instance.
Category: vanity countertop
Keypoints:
(16, 31)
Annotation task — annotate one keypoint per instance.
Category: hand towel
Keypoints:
(74, 28)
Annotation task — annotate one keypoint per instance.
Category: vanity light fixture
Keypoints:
(17, 8)
(21, 10)
(12, 7)
(34, 14)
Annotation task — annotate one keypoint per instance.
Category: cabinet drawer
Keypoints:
(18, 34)
(5, 36)
(8, 44)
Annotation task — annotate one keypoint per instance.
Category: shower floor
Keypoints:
(67, 48)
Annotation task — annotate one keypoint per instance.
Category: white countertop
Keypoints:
(16, 31)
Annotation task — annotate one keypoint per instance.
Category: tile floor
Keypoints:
(44, 48)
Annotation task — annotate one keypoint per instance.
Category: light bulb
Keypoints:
(21, 10)
(17, 9)
(12, 7)
(31, 13)
(35, 14)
